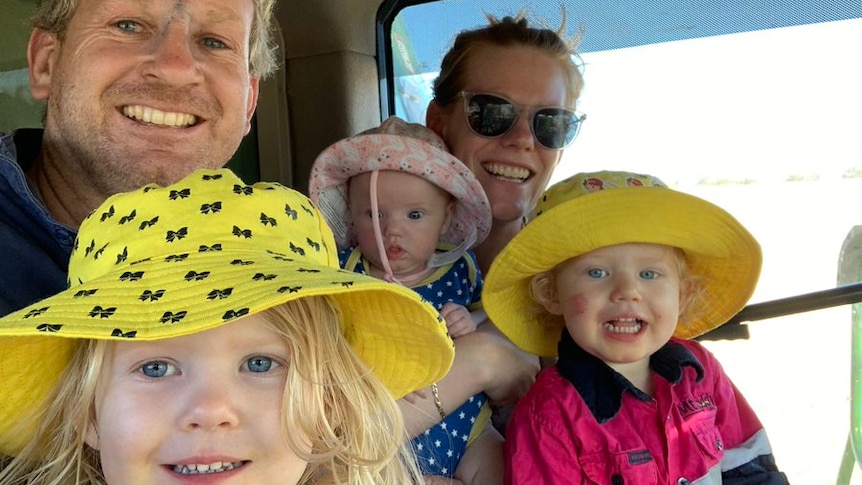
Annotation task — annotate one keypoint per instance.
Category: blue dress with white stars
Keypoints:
(459, 282)
(439, 449)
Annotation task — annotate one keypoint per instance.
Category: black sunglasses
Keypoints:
(491, 115)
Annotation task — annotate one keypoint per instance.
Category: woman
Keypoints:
(486, 112)
(509, 126)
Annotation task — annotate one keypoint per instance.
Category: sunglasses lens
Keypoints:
(490, 115)
(555, 127)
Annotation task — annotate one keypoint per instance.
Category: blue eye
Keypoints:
(596, 273)
(157, 368)
(649, 274)
(260, 363)
(414, 215)
(214, 43)
(129, 26)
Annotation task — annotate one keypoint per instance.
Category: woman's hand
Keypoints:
(485, 361)
(509, 370)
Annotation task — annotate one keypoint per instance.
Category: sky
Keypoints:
(765, 106)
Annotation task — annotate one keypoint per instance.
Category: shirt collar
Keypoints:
(602, 388)
(23, 145)
(18, 151)
(29, 143)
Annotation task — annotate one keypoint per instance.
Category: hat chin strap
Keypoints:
(449, 257)
(435, 261)
(378, 235)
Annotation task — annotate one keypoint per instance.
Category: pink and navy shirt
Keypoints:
(584, 423)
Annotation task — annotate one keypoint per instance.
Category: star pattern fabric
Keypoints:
(440, 448)
(459, 282)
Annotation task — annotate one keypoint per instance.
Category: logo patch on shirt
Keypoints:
(696, 404)
(639, 457)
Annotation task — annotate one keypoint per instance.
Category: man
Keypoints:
(137, 92)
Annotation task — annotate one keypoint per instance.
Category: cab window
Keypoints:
(753, 106)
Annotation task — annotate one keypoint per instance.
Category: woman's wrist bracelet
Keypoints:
(436, 393)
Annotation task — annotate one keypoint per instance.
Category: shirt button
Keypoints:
(683, 481)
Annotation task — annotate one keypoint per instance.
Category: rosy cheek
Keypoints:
(576, 305)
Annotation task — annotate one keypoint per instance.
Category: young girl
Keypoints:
(405, 210)
(638, 270)
(209, 330)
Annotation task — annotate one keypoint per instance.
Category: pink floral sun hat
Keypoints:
(405, 147)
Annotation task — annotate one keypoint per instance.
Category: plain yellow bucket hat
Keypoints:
(163, 262)
(593, 210)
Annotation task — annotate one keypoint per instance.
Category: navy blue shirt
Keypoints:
(34, 248)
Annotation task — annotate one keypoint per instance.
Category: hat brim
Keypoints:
(345, 159)
(717, 248)
(400, 337)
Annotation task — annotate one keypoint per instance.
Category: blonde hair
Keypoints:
(57, 454)
(354, 424)
(507, 32)
(54, 16)
(352, 421)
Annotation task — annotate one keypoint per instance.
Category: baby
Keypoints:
(405, 210)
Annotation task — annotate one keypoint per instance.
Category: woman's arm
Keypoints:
(485, 360)
(482, 463)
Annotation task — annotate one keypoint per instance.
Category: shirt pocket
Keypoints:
(633, 467)
(709, 441)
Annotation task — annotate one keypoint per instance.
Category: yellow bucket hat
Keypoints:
(163, 262)
(593, 210)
